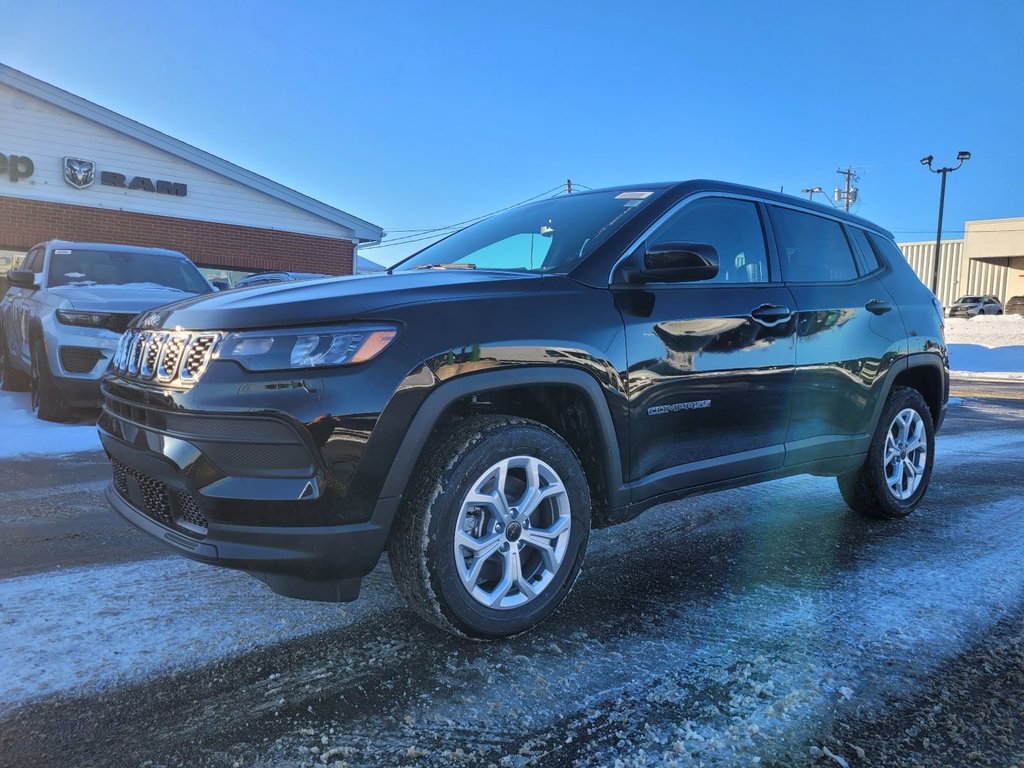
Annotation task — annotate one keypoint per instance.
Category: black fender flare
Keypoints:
(915, 360)
(438, 401)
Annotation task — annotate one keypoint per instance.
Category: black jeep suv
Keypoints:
(556, 368)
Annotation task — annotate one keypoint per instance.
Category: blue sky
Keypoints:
(416, 115)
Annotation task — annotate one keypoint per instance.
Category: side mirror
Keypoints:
(221, 285)
(676, 263)
(22, 278)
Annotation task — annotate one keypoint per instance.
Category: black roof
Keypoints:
(680, 189)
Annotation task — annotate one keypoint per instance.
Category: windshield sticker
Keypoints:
(62, 251)
(632, 203)
(633, 195)
(74, 275)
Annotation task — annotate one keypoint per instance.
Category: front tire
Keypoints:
(895, 475)
(47, 401)
(493, 531)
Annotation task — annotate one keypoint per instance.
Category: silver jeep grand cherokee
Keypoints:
(65, 310)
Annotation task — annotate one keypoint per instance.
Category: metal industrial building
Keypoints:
(989, 260)
(73, 170)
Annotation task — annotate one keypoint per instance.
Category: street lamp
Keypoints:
(960, 156)
(810, 192)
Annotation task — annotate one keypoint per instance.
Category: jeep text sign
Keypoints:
(16, 166)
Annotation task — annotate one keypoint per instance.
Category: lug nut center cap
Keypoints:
(513, 532)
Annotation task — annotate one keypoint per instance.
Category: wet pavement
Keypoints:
(767, 625)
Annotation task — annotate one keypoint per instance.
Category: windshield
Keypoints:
(549, 236)
(970, 300)
(81, 267)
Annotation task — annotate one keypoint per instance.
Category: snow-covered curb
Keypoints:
(21, 433)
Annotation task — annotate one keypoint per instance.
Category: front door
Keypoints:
(710, 363)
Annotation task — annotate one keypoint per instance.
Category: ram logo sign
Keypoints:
(79, 173)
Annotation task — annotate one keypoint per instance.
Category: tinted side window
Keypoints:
(34, 261)
(812, 249)
(885, 248)
(867, 256)
(732, 226)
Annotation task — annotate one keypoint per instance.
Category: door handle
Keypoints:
(771, 314)
(878, 306)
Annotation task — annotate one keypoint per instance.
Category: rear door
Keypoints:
(848, 334)
(710, 363)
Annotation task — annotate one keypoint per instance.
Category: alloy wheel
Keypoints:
(906, 454)
(512, 532)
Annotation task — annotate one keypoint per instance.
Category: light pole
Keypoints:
(960, 156)
(810, 192)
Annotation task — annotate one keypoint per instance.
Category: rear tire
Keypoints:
(494, 527)
(47, 401)
(11, 379)
(895, 474)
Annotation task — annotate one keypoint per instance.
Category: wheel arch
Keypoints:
(567, 400)
(924, 372)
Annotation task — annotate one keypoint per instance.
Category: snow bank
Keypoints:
(22, 433)
(989, 345)
(986, 331)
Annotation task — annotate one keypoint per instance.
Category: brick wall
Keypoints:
(23, 223)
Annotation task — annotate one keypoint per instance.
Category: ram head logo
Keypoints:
(79, 173)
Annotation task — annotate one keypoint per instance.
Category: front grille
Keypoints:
(172, 508)
(190, 511)
(178, 358)
(79, 359)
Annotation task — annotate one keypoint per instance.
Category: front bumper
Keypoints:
(247, 491)
(78, 357)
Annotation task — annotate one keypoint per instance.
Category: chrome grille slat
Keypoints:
(134, 356)
(150, 355)
(170, 357)
(197, 356)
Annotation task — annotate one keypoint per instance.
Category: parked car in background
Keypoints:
(268, 278)
(558, 367)
(972, 306)
(1015, 305)
(65, 310)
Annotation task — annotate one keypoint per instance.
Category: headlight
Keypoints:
(88, 319)
(306, 347)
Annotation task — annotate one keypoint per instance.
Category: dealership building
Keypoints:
(987, 261)
(73, 170)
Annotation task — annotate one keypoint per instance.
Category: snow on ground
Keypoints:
(21, 433)
(988, 346)
(90, 627)
(86, 629)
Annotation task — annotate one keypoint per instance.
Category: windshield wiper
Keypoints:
(446, 266)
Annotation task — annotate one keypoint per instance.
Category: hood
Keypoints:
(318, 302)
(116, 298)
(967, 304)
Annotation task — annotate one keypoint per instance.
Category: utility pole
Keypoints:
(848, 194)
(568, 186)
(960, 156)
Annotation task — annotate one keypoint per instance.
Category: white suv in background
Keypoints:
(65, 310)
(972, 306)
